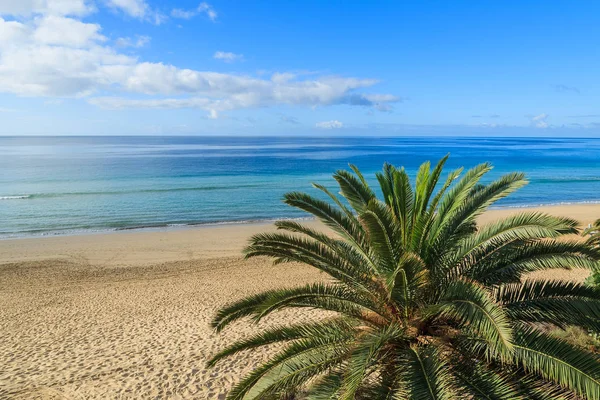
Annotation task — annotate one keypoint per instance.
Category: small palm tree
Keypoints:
(428, 304)
(593, 231)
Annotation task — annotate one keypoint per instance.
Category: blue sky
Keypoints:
(292, 68)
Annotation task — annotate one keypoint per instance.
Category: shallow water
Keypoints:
(51, 185)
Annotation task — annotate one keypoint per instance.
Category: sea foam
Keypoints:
(27, 196)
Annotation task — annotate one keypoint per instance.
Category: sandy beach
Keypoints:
(126, 315)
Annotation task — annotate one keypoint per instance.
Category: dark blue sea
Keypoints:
(58, 185)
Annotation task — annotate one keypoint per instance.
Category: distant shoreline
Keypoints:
(267, 221)
(207, 225)
(152, 245)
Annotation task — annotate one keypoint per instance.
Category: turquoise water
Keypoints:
(55, 185)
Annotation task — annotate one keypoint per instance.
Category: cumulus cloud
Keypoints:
(63, 31)
(183, 14)
(217, 92)
(13, 33)
(138, 41)
(539, 121)
(57, 55)
(48, 7)
(137, 9)
(134, 8)
(280, 78)
(333, 124)
(208, 10)
(77, 8)
(203, 8)
(228, 57)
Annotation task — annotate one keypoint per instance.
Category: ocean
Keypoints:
(67, 185)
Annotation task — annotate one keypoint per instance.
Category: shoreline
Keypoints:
(141, 247)
(265, 222)
(157, 228)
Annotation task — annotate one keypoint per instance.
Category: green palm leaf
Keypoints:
(507, 262)
(337, 328)
(558, 361)
(426, 374)
(470, 304)
(553, 302)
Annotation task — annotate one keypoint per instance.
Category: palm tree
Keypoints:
(427, 304)
(593, 231)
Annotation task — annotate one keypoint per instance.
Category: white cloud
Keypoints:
(203, 8)
(58, 56)
(58, 71)
(77, 8)
(207, 8)
(281, 78)
(51, 7)
(137, 9)
(183, 14)
(539, 121)
(139, 41)
(333, 124)
(214, 91)
(383, 107)
(12, 33)
(228, 57)
(55, 30)
(382, 98)
(134, 8)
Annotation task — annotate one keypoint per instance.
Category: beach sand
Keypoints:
(126, 315)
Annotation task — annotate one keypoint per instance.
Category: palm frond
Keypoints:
(470, 304)
(557, 361)
(480, 381)
(455, 198)
(508, 262)
(322, 352)
(354, 189)
(329, 215)
(366, 354)
(424, 191)
(560, 303)
(237, 310)
(321, 296)
(409, 276)
(593, 232)
(382, 236)
(338, 261)
(426, 374)
(326, 388)
(342, 329)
